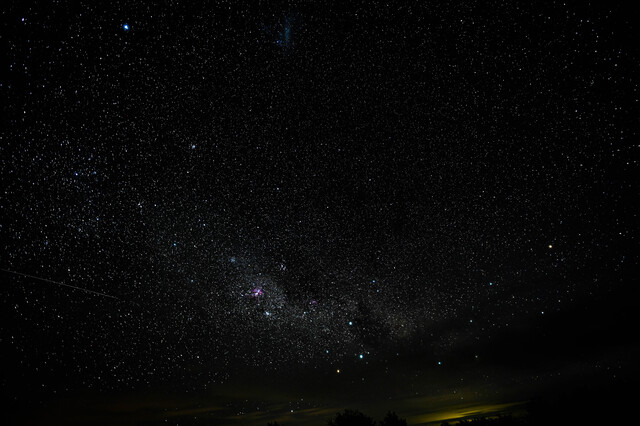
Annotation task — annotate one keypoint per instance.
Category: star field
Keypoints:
(375, 192)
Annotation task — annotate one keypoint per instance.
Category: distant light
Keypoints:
(550, 246)
(361, 356)
(439, 362)
(267, 313)
(490, 283)
(125, 27)
(350, 322)
(338, 371)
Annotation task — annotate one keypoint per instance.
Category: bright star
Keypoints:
(125, 27)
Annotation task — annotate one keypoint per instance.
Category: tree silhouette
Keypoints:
(392, 419)
(351, 418)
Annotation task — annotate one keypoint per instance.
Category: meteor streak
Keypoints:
(58, 283)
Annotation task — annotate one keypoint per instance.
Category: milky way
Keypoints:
(312, 188)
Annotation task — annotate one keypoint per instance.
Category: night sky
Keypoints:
(224, 213)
